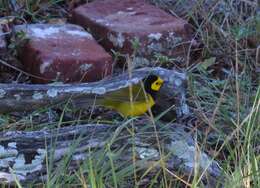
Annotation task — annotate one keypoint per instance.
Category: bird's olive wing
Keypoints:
(123, 94)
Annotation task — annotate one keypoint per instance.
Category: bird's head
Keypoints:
(152, 84)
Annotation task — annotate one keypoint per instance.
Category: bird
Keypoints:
(143, 97)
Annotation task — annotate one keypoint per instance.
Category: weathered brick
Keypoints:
(116, 23)
(62, 52)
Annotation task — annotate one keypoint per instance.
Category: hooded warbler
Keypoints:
(143, 97)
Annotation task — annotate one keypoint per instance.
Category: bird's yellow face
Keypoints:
(156, 85)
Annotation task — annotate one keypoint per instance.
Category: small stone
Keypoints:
(62, 52)
(116, 24)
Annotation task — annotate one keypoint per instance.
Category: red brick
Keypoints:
(117, 22)
(63, 52)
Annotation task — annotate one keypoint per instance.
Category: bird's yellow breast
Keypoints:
(135, 109)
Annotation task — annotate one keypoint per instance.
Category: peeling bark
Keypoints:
(23, 154)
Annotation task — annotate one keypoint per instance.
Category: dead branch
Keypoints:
(23, 154)
(28, 97)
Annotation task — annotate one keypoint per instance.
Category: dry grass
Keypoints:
(224, 94)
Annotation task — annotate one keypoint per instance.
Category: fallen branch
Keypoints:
(28, 97)
(23, 154)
